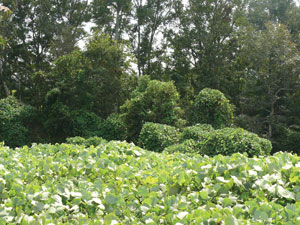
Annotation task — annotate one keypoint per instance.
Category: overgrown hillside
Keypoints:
(119, 183)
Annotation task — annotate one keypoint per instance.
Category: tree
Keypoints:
(38, 32)
(5, 13)
(212, 107)
(146, 28)
(111, 16)
(152, 101)
(202, 43)
(95, 79)
(14, 118)
(273, 65)
(261, 12)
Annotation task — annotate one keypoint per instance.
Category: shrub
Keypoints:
(188, 146)
(86, 142)
(156, 137)
(233, 140)
(196, 132)
(212, 107)
(152, 101)
(58, 122)
(13, 116)
(113, 128)
(288, 140)
(86, 124)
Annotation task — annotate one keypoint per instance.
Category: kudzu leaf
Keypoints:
(230, 220)
(111, 199)
(227, 202)
(181, 215)
(285, 193)
(204, 195)
(151, 180)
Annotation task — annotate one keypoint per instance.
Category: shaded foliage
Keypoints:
(156, 137)
(152, 101)
(212, 107)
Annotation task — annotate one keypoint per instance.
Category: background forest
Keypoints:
(148, 61)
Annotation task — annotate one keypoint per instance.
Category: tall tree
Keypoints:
(93, 79)
(111, 16)
(37, 34)
(202, 41)
(262, 11)
(147, 23)
(5, 13)
(272, 73)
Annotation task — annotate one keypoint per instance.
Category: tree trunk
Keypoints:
(118, 24)
(271, 115)
(2, 80)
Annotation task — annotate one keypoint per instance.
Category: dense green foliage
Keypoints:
(212, 107)
(185, 147)
(202, 140)
(113, 128)
(231, 140)
(195, 132)
(144, 70)
(120, 183)
(246, 49)
(156, 137)
(14, 117)
(87, 142)
(152, 101)
(85, 123)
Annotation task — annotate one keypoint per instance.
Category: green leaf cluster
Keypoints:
(14, 117)
(196, 132)
(152, 101)
(156, 137)
(119, 183)
(113, 128)
(87, 142)
(204, 140)
(212, 107)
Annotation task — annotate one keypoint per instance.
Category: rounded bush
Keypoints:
(195, 132)
(113, 128)
(152, 101)
(85, 123)
(13, 117)
(233, 140)
(212, 107)
(156, 137)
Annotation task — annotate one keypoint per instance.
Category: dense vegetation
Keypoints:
(119, 183)
(202, 91)
(172, 62)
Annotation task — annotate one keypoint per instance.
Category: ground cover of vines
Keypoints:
(119, 183)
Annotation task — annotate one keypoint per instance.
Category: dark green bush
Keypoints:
(224, 141)
(195, 132)
(95, 141)
(113, 128)
(156, 137)
(188, 146)
(292, 142)
(13, 118)
(58, 122)
(152, 101)
(212, 107)
(86, 124)
(232, 140)
(290, 139)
